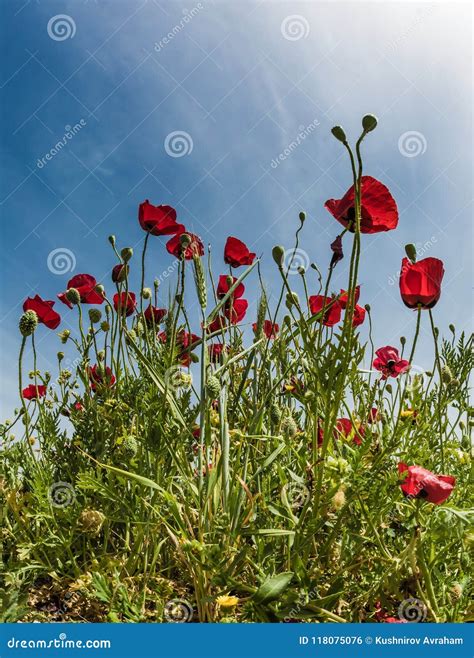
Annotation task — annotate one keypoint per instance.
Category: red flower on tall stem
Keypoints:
(177, 249)
(332, 312)
(358, 316)
(236, 253)
(44, 310)
(344, 297)
(33, 392)
(225, 283)
(100, 376)
(378, 208)
(158, 220)
(235, 310)
(388, 362)
(215, 352)
(269, 328)
(153, 314)
(125, 303)
(345, 427)
(420, 483)
(119, 273)
(420, 283)
(85, 285)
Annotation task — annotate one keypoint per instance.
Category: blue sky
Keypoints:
(241, 80)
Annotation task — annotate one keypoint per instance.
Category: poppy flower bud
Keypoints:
(302, 216)
(185, 240)
(278, 254)
(146, 293)
(105, 326)
(112, 240)
(119, 273)
(275, 413)
(388, 388)
(287, 321)
(73, 296)
(403, 340)
(60, 356)
(292, 299)
(64, 335)
(100, 355)
(126, 253)
(289, 426)
(446, 374)
(410, 251)
(28, 323)
(100, 290)
(339, 134)
(452, 328)
(194, 357)
(95, 315)
(301, 270)
(129, 447)
(367, 307)
(369, 123)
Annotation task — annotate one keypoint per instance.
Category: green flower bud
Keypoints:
(146, 293)
(129, 447)
(452, 329)
(278, 254)
(126, 253)
(369, 123)
(367, 308)
(410, 251)
(64, 335)
(275, 413)
(156, 284)
(289, 426)
(403, 340)
(302, 216)
(292, 299)
(339, 134)
(105, 326)
(112, 240)
(101, 356)
(73, 296)
(95, 315)
(446, 374)
(28, 323)
(185, 240)
(60, 356)
(213, 387)
(301, 270)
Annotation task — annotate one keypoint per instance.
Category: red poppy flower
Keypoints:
(217, 324)
(77, 406)
(337, 253)
(158, 220)
(420, 283)
(332, 314)
(236, 253)
(119, 273)
(269, 329)
(184, 343)
(215, 351)
(100, 376)
(154, 314)
(394, 620)
(320, 434)
(374, 415)
(85, 285)
(358, 316)
(346, 428)
(224, 286)
(125, 303)
(344, 297)
(44, 311)
(378, 208)
(388, 362)
(421, 483)
(33, 392)
(235, 311)
(175, 248)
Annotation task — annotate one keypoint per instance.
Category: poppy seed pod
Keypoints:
(28, 323)
(302, 216)
(278, 254)
(369, 123)
(73, 296)
(126, 253)
(95, 315)
(339, 134)
(185, 240)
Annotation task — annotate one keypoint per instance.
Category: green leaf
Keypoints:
(272, 588)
